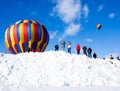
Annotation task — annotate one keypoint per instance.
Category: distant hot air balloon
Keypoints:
(26, 33)
(98, 26)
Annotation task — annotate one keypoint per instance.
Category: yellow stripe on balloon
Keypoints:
(34, 21)
(6, 39)
(18, 21)
(41, 40)
(32, 35)
(25, 21)
(21, 33)
(12, 37)
(44, 46)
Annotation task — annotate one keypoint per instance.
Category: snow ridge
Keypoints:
(57, 69)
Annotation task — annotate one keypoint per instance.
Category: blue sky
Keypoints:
(69, 20)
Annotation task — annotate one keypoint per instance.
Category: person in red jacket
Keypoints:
(78, 48)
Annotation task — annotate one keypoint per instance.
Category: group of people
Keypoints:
(112, 57)
(63, 46)
(86, 51)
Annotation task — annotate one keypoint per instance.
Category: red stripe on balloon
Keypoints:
(35, 32)
(10, 50)
(25, 32)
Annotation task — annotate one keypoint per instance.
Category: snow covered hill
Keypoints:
(56, 69)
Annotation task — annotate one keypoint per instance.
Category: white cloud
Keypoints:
(111, 15)
(100, 7)
(53, 34)
(67, 10)
(85, 10)
(89, 40)
(71, 30)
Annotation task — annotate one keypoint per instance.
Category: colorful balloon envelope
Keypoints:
(26, 33)
(98, 26)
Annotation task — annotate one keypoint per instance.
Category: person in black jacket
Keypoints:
(56, 47)
(89, 52)
(111, 57)
(94, 55)
(84, 50)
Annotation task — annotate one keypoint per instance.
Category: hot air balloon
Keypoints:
(98, 26)
(26, 33)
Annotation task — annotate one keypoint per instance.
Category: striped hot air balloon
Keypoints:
(26, 33)
(98, 26)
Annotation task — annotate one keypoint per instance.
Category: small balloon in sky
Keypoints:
(98, 26)
(24, 34)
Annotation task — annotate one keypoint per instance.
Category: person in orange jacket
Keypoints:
(78, 48)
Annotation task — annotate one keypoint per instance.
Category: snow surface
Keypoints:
(56, 71)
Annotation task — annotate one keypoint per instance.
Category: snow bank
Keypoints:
(56, 69)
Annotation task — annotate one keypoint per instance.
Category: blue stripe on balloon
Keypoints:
(34, 46)
(29, 31)
(18, 36)
(39, 32)
(18, 31)
(25, 46)
(18, 48)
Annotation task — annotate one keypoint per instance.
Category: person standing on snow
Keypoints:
(89, 52)
(63, 45)
(111, 57)
(56, 47)
(78, 48)
(94, 55)
(69, 47)
(84, 50)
